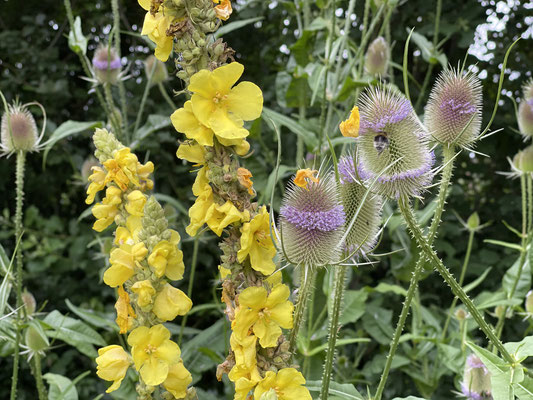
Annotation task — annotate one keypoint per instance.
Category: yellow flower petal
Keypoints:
(112, 364)
(246, 101)
(170, 303)
(350, 127)
(178, 379)
(185, 121)
(303, 176)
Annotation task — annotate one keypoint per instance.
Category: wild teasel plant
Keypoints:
(144, 259)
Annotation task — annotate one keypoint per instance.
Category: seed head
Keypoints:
(23, 133)
(525, 117)
(311, 222)
(453, 112)
(106, 65)
(377, 57)
(476, 380)
(364, 231)
(392, 144)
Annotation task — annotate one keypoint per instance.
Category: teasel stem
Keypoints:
(435, 261)
(525, 186)
(448, 161)
(143, 100)
(461, 281)
(41, 390)
(307, 279)
(338, 295)
(115, 122)
(21, 310)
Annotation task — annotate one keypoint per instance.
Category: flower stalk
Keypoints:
(307, 279)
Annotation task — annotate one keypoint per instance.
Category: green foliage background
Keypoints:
(62, 253)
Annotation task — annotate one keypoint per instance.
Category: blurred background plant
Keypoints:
(64, 259)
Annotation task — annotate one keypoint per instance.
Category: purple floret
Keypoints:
(346, 170)
(388, 116)
(325, 221)
(470, 394)
(105, 64)
(409, 174)
(458, 106)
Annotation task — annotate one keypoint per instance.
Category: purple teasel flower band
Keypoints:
(105, 64)
(473, 361)
(458, 107)
(346, 170)
(471, 395)
(388, 116)
(409, 174)
(325, 221)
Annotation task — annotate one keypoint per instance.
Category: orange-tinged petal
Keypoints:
(303, 176)
(350, 127)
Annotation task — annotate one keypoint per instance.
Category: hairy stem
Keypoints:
(306, 286)
(121, 88)
(435, 261)
(114, 119)
(21, 311)
(338, 294)
(41, 389)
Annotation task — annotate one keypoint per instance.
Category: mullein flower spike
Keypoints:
(392, 145)
(476, 380)
(312, 221)
(453, 112)
(364, 231)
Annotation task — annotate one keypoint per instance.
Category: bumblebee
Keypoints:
(381, 142)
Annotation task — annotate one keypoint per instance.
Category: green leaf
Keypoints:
(388, 288)
(153, 123)
(354, 306)
(340, 391)
(409, 398)
(429, 53)
(5, 286)
(74, 332)
(60, 387)
(523, 282)
(521, 350)
(350, 85)
(4, 261)
(234, 25)
(317, 24)
(524, 390)
(68, 128)
(303, 48)
(338, 343)
(95, 319)
(513, 246)
(189, 350)
(76, 41)
(280, 119)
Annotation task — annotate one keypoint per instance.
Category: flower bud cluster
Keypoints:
(144, 259)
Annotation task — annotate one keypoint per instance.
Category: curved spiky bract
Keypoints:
(527, 89)
(23, 134)
(311, 222)
(453, 112)
(364, 231)
(403, 167)
(525, 117)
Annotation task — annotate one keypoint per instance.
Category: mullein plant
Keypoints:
(144, 259)
(257, 302)
(19, 135)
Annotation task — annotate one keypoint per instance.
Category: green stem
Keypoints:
(191, 282)
(435, 261)
(41, 389)
(461, 280)
(21, 311)
(115, 121)
(448, 161)
(338, 294)
(143, 99)
(166, 96)
(306, 286)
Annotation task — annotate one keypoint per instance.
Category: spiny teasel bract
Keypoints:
(363, 234)
(312, 223)
(525, 111)
(403, 167)
(453, 112)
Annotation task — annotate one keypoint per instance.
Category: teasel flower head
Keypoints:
(527, 89)
(392, 145)
(522, 163)
(106, 65)
(476, 379)
(155, 68)
(361, 237)
(377, 57)
(525, 117)
(19, 130)
(312, 221)
(453, 112)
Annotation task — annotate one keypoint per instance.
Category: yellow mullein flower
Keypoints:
(178, 379)
(143, 172)
(201, 181)
(135, 203)
(244, 175)
(245, 359)
(171, 302)
(265, 313)
(129, 233)
(123, 261)
(243, 386)
(191, 152)
(112, 364)
(303, 176)
(223, 10)
(125, 313)
(106, 211)
(223, 272)
(167, 259)
(155, 26)
(219, 106)
(350, 127)
(287, 384)
(185, 122)
(97, 179)
(274, 279)
(256, 243)
(199, 209)
(122, 168)
(153, 353)
(220, 216)
(144, 291)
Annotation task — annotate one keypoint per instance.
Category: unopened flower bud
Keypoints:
(461, 314)
(525, 117)
(29, 302)
(473, 221)
(159, 74)
(476, 379)
(523, 160)
(312, 220)
(106, 65)
(20, 132)
(35, 338)
(453, 112)
(529, 302)
(393, 145)
(377, 57)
